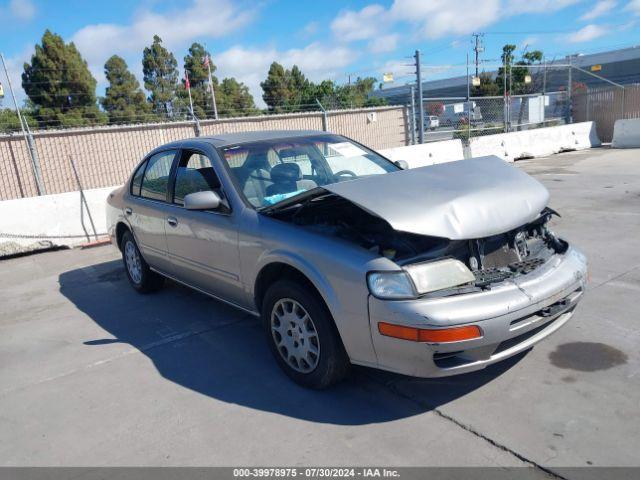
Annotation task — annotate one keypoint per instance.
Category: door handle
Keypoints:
(173, 221)
(128, 211)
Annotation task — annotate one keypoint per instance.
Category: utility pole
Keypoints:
(569, 88)
(478, 48)
(35, 162)
(413, 115)
(420, 102)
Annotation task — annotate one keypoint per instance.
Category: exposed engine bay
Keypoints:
(491, 259)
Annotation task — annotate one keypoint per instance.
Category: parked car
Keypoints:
(458, 114)
(346, 257)
(431, 122)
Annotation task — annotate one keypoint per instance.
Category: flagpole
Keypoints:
(188, 85)
(213, 93)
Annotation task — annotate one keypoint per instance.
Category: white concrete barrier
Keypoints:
(58, 218)
(580, 136)
(430, 153)
(536, 142)
(497, 144)
(626, 133)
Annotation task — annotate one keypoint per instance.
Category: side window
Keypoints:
(195, 174)
(136, 183)
(156, 177)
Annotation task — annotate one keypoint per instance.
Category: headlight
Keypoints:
(432, 276)
(391, 285)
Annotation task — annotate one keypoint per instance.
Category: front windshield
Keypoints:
(271, 171)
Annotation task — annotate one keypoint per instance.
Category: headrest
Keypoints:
(286, 172)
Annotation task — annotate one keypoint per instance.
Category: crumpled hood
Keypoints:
(459, 200)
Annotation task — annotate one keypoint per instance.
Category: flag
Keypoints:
(387, 77)
(187, 85)
(206, 60)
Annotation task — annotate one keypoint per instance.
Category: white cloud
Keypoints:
(17, 10)
(633, 6)
(203, 18)
(384, 43)
(518, 7)
(587, 33)
(438, 18)
(317, 61)
(528, 42)
(599, 9)
(352, 25)
(22, 9)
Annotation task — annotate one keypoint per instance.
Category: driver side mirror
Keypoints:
(402, 164)
(206, 200)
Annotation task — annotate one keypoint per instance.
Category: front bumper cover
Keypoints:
(513, 316)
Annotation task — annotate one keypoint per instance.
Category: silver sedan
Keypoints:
(348, 258)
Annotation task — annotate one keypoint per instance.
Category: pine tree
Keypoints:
(194, 65)
(276, 88)
(235, 99)
(124, 101)
(60, 86)
(160, 71)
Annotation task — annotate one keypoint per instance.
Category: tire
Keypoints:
(140, 276)
(320, 362)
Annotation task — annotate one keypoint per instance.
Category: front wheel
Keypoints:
(140, 276)
(302, 336)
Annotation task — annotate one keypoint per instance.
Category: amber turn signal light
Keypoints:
(439, 335)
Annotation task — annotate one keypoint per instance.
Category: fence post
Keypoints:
(325, 119)
(420, 102)
(35, 161)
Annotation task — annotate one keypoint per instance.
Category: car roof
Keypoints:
(227, 139)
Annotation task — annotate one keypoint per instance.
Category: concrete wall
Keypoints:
(537, 142)
(626, 134)
(427, 154)
(58, 218)
(105, 156)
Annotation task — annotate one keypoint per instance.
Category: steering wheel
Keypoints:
(344, 172)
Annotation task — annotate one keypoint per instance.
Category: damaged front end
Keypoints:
(491, 260)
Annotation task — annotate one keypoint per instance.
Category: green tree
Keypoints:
(235, 100)
(487, 88)
(124, 101)
(275, 88)
(160, 72)
(514, 73)
(9, 120)
(60, 86)
(356, 95)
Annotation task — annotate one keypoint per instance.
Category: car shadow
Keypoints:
(215, 350)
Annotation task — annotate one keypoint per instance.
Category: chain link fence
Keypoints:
(447, 118)
(104, 156)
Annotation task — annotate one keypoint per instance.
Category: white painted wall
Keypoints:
(54, 215)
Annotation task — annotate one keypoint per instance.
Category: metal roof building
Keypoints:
(620, 66)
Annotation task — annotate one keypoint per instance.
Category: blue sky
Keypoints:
(327, 39)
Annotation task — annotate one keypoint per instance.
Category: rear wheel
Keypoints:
(140, 276)
(302, 336)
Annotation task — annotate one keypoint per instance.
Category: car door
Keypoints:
(147, 205)
(203, 244)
